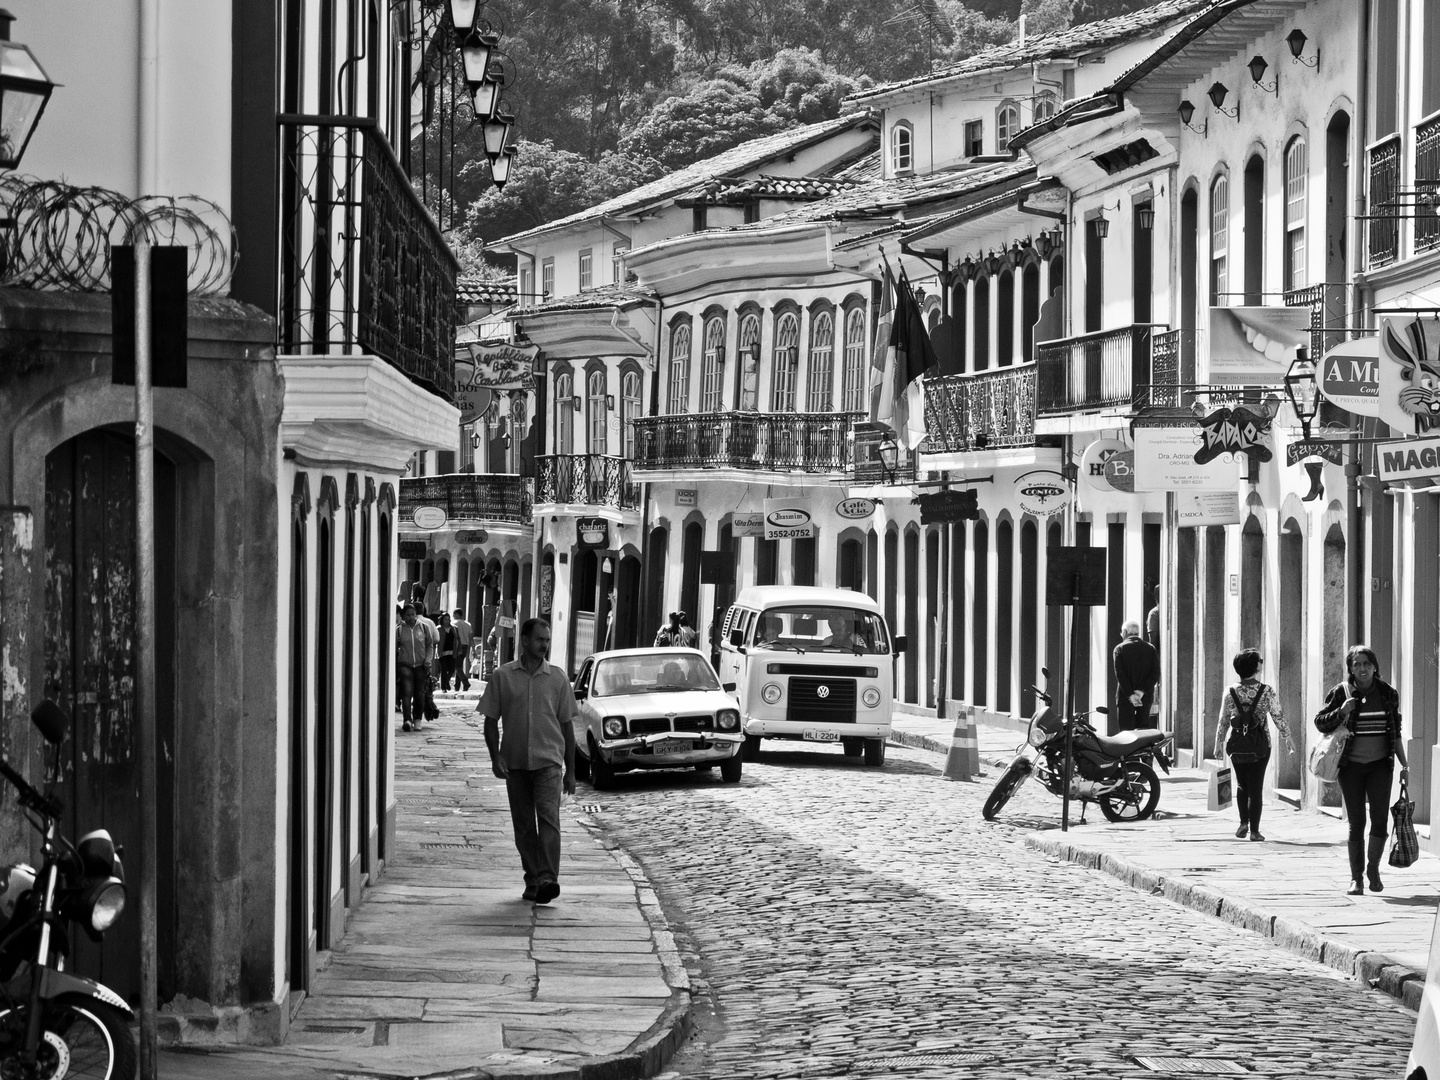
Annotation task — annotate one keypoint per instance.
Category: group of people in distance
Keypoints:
(422, 646)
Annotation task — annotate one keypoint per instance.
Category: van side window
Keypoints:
(729, 619)
(737, 626)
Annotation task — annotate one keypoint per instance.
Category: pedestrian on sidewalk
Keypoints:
(1137, 670)
(529, 709)
(465, 635)
(1370, 708)
(412, 662)
(1245, 713)
(449, 645)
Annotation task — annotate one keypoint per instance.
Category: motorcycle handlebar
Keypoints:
(45, 804)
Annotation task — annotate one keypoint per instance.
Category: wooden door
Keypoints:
(90, 672)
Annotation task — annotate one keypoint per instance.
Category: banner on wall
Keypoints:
(1165, 461)
(1253, 346)
(1409, 375)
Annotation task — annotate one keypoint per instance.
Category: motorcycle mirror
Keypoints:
(51, 721)
(1102, 709)
(1045, 671)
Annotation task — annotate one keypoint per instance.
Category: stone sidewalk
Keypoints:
(444, 970)
(1290, 888)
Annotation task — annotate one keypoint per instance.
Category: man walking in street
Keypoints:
(449, 645)
(1137, 670)
(412, 661)
(528, 710)
(465, 636)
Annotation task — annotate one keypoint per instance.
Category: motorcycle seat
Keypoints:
(1127, 742)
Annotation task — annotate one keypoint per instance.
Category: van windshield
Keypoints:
(652, 673)
(822, 629)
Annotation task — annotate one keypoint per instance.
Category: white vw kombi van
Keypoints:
(810, 664)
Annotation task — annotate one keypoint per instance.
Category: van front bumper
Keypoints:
(796, 729)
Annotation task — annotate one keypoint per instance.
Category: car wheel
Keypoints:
(875, 752)
(752, 747)
(730, 769)
(602, 773)
(852, 747)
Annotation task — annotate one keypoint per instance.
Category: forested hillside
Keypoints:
(612, 93)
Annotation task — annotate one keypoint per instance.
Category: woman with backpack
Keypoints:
(1370, 708)
(1246, 712)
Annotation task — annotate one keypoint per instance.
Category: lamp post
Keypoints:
(25, 90)
(1303, 389)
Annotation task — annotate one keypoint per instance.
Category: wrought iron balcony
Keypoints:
(1427, 179)
(990, 409)
(1383, 202)
(753, 441)
(363, 266)
(586, 480)
(1099, 370)
(470, 497)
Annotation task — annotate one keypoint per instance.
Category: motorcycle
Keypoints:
(1117, 772)
(55, 1025)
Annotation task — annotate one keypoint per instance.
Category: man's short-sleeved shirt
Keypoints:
(534, 711)
(465, 631)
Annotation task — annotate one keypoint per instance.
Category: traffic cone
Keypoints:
(962, 762)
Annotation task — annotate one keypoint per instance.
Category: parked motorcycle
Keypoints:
(55, 1025)
(1115, 771)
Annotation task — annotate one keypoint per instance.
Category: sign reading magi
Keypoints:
(1412, 459)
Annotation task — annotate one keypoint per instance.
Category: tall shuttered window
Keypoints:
(1296, 172)
(854, 385)
(712, 388)
(822, 363)
(599, 415)
(630, 405)
(786, 362)
(1219, 240)
(679, 399)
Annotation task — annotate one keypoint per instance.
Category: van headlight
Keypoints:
(871, 697)
(613, 726)
(727, 720)
(771, 694)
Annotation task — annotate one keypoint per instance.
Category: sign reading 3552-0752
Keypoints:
(788, 519)
(1408, 459)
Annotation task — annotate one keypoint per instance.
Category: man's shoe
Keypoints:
(1255, 835)
(1356, 889)
(529, 893)
(546, 891)
(404, 727)
(1241, 831)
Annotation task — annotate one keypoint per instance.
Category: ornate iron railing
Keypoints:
(586, 480)
(363, 266)
(1383, 193)
(1327, 304)
(868, 464)
(1093, 371)
(1427, 179)
(975, 412)
(774, 442)
(470, 497)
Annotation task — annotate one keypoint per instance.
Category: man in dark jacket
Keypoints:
(1137, 670)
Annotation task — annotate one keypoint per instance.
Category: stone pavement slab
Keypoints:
(1290, 888)
(444, 969)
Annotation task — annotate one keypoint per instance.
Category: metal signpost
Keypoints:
(1074, 578)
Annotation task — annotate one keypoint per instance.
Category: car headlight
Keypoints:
(106, 900)
(771, 694)
(613, 726)
(727, 720)
(871, 697)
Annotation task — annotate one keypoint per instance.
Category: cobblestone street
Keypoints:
(863, 922)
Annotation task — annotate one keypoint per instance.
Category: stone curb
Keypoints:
(1376, 969)
(935, 746)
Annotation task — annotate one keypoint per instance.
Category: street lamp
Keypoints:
(1217, 94)
(1296, 40)
(1257, 67)
(1303, 390)
(24, 91)
(475, 52)
(462, 15)
(500, 167)
(1101, 224)
(889, 455)
(496, 130)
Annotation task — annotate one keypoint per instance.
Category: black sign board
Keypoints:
(945, 507)
(169, 329)
(593, 532)
(414, 549)
(1075, 575)
(1332, 452)
(717, 567)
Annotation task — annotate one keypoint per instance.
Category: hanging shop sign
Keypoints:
(1093, 460)
(747, 524)
(855, 509)
(547, 588)
(1315, 450)
(687, 496)
(1349, 376)
(471, 536)
(498, 367)
(1042, 492)
(788, 519)
(473, 401)
(1239, 430)
(1120, 471)
(948, 507)
(1409, 375)
(415, 550)
(1165, 461)
(429, 518)
(1409, 459)
(1253, 346)
(1194, 509)
(594, 532)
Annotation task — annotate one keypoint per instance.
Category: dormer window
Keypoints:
(902, 148)
(1007, 122)
(1046, 105)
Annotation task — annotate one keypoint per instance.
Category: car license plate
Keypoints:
(673, 746)
(816, 735)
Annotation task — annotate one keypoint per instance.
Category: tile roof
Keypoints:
(485, 292)
(738, 160)
(606, 296)
(1075, 41)
(727, 190)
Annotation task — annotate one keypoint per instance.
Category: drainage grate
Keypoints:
(915, 1061)
(448, 847)
(1193, 1066)
(589, 807)
(334, 1029)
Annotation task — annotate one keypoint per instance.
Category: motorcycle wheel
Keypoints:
(81, 1038)
(1137, 798)
(1009, 783)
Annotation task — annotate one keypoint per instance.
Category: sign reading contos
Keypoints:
(1412, 459)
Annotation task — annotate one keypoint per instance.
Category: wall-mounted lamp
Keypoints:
(1145, 217)
(1296, 40)
(1187, 113)
(610, 402)
(1044, 245)
(967, 270)
(1217, 94)
(575, 402)
(1057, 236)
(1257, 66)
(1101, 226)
(919, 295)
(993, 262)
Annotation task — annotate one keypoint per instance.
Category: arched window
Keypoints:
(598, 415)
(822, 363)
(712, 390)
(1007, 123)
(630, 405)
(854, 385)
(564, 415)
(902, 148)
(1297, 167)
(679, 399)
(1219, 240)
(1047, 104)
(747, 390)
(786, 359)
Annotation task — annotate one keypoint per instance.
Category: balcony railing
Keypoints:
(1427, 174)
(762, 442)
(976, 412)
(868, 466)
(1094, 371)
(1384, 194)
(468, 497)
(586, 480)
(363, 266)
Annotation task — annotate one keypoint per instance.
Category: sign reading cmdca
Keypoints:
(1410, 459)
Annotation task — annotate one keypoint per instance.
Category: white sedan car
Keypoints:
(654, 709)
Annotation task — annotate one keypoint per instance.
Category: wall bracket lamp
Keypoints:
(1187, 113)
(1296, 40)
(1217, 94)
(1258, 66)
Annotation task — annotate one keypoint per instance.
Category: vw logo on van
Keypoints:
(788, 519)
(822, 691)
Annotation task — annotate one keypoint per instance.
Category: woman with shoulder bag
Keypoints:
(1249, 705)
(1370, 708)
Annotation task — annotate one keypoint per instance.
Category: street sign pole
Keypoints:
(145, 656)
(942, 632)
